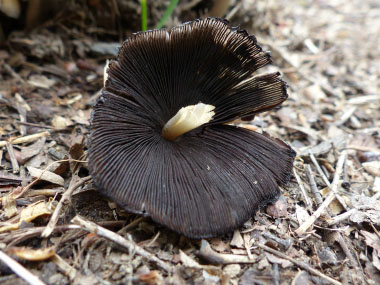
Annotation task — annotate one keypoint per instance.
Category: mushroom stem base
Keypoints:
(187, 119)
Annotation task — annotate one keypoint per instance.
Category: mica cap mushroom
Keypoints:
(160, 144)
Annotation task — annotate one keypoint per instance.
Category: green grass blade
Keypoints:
(169, 10)
(144, 16)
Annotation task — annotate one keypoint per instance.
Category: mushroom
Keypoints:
(160, 142)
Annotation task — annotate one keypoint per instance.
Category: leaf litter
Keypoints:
(328, 54)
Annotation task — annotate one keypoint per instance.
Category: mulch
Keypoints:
(325, 228)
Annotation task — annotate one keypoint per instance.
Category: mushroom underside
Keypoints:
(206, 183)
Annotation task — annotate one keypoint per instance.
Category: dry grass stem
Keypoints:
(309, 222)
(20, 270)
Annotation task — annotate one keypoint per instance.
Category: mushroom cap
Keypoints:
(212, 179)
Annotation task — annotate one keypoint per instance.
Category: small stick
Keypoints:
(128, 244)
(276, 274)
(346, 250)
(285, 243)
(26, 139)
(320, 171)
(20, 270)
(306, 197)
(311, 220)
(337, 219)
(21, 235)
(35, 125)
(313, 185)
(131, 225)
(300, 264)
(65, 197)
(12, 157)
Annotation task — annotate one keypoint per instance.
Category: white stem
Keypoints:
(187, 119)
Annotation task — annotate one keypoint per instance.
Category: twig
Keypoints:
(313, 185)
(276, 275)
(340, 239)
(320, 171)
(35, 125)
(311, 220)
(131, 225)
(299, 264)
(347, 252)
(26, 139)
(306, 197)
(128, 244)
(21, 235)
(285, 243)
(20, 270)
(12, 157)
(337, 219)
(65, 197)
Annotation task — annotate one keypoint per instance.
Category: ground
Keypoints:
(325, 227)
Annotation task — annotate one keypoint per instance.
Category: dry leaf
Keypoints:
(28, 214)
(33, 254)
(46, 176)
